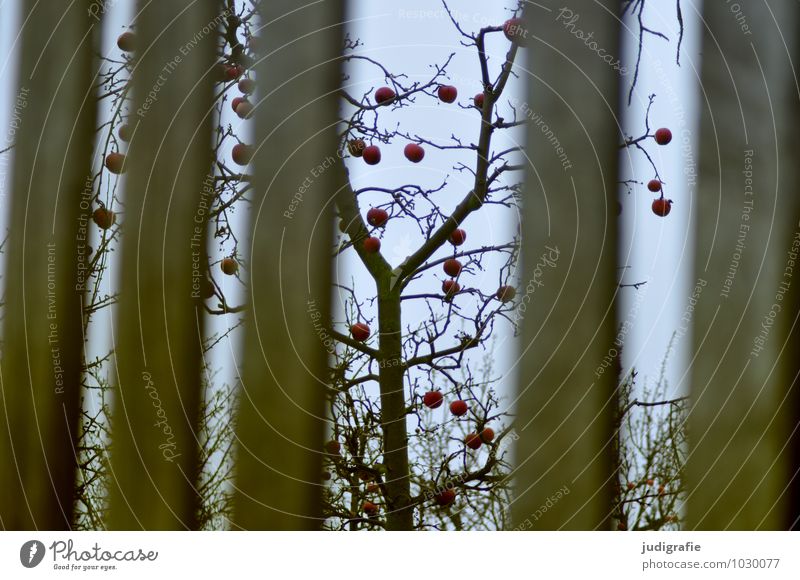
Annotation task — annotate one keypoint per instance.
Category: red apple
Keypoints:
(515, 31)
(369, 508)
(247, 86)
(104, 218)
(244, 109)
(631, 485)
(473, 441)
(233, 72)
(372, 155)
(663, 136)
(661, 206)
(125, 132)
(373, 488)
(235, 102)
(479, 99)
(452, 267)
(450, 288)
(372, 245)
(432, 399)
(115, 163)
(229, 266)
(333, 447)
(654, 185)
(445, 497)
(487, 435)
(458, 237)
(359, 331)
(384, 95)
(127, 41)
(448, 93)
(414, 152)
(506, 293)
(622, 527)
(377, 217)
(356, 147)
(207, 289)
(242, 154)
(459, 408)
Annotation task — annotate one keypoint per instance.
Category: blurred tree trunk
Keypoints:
(565, 405)
(282, 404)
(160, 324)
(747, 199)
(54, 115)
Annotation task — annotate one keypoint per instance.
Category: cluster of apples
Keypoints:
(459, 408)
(661, 206)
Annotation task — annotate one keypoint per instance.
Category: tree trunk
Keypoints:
(393, 410)
(53, 122)
(738, 468)
(282, 420)
(160, 325)
(567, 278)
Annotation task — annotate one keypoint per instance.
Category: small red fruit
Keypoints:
(127, 41)
(244, 109)
(125, 132)
(631, 485)
(663, 136)
(104, 218)
(450, 288)
(432, 399)
(233, 72)
(458, 237)
(377, 217)
(372, 155)
(479, 99)
(373, 488)
(229, 266)
(622, 527)
(242, 154)
(448, 93)
(487, 435)
(247, 86)
(235, 102)
(356, 147)
(661, 206)
(654, 185)
(207, 289)
(333, 447)
(452, 267)
(414, 152)
(506, 293)
(372, 245)
(445, 497)
(369, 508)
(359, 331)
(661, 490)
(473, 441)
(515, 31)
(115, 163)
(459, 408)
(384, 95)
(650, 481)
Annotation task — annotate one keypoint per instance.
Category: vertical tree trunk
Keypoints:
(42, 341)
(565, 405)
(160, 323)
(741, 368)
(393, 411)
(282, 403)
